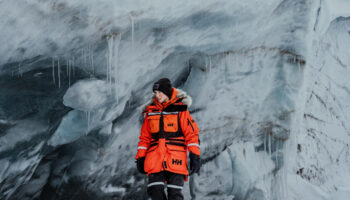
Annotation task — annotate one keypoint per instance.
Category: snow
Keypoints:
(341, 194)
(303, 190)
(110, 189)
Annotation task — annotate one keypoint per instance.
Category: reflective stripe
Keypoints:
(164, 113)
(155, 183)
(141, 147)
(170, 113)
(153, 113)
(193, 144)
(175, 187)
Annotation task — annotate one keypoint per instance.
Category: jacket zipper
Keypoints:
(162, 135)
(189, 122)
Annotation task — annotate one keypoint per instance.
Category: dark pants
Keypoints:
(156, 185)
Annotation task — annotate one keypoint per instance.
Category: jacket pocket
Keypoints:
(151, 160)
(177, 161)
(170, 123)
(154, 123)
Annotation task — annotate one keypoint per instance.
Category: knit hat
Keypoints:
(164, 86)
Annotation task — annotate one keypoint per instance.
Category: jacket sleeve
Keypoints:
(190, 131)
(144, 139)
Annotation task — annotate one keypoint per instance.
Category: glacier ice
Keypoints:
(87, 95)
(269, 81)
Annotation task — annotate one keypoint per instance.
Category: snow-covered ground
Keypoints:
(269, 82)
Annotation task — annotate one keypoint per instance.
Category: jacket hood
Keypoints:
(180, 94)
(186, 99)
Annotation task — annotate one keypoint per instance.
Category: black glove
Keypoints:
(195, 163)
(140, 162)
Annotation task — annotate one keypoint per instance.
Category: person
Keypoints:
(167, 133)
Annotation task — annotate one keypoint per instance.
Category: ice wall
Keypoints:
(322, 135)
(268, 80)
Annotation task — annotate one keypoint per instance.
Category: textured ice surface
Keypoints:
(73, 126)
(269, 82)
(87, 95)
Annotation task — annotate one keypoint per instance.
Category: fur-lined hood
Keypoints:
(186, 99)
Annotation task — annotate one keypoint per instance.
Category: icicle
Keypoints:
(82, 57)
(86, 59)
(59, 73)
(114, 63)
(73, 65)
(88, 122)
(107, 56)
(110, 61)
(265, 139)
(209, 63)
(206, 65)
(112, 67)
(69, 68)
(19, 70)
(132, 31)
(269, 145)
(225, 71)
(111, 48)
(53, 70)
(92, 60)
(67, 65)
(116, 57)
(276, 156)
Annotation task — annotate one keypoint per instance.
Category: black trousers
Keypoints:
(156, 185)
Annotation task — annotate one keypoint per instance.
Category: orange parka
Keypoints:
(168, 131)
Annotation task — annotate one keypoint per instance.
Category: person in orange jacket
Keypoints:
(167, 133)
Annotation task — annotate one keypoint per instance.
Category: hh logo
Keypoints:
(177, 162)
(171, 124)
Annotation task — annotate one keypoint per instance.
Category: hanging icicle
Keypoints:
(209, 64)
(69, 69)
(59, 73)
(67, 66)
(88, 122)
(132, 30)
(19, 70)
(110, 41)
(53, 70)
(113, 42)
(116, 59)
(91, 59)
(73, 65)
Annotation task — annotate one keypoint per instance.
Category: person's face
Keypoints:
(161, 97)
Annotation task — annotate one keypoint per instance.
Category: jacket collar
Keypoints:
(177, 94)
(172, 100)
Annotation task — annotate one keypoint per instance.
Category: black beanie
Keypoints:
(164, 86)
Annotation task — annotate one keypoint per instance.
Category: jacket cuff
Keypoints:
(194, 149)
(141, 153)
